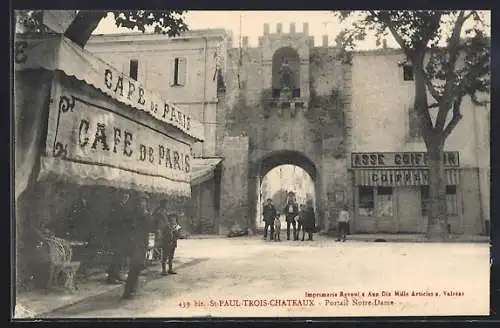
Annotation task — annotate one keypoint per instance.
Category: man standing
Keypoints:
(291, 211)
(269, 213)
(137, 244)
(117, 227)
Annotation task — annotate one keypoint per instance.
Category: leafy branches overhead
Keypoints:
(169, 22)
(448, 49)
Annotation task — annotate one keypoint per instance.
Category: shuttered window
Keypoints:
(179, 71)
(413, 128)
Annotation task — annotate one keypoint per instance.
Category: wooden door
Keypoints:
(409, 211)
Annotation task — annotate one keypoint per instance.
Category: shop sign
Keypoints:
(82, 132)
(400, 159)
(400, 177)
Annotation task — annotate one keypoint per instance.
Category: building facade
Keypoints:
(186, 69)
(345, 118)
(387, 162)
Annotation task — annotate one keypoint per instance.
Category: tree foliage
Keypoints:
(440, 36)
(169, 22)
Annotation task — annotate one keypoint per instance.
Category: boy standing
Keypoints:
(343, 223)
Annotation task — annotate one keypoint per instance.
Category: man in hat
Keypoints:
(269, 213)
(291, 210)
(138, 244)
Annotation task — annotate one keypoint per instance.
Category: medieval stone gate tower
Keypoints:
(286, 102)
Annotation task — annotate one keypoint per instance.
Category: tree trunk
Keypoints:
(83, 25)
(437, 228)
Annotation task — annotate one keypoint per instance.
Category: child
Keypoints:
(277, 228)
(343, 222)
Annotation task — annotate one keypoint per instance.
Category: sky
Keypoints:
(252, 24)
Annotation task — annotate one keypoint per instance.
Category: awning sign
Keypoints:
(401, 177)
(401, 160)
(58, 53)
(92, 137)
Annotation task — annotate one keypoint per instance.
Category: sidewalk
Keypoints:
(413, 238)
(36, 304)
(407, 238)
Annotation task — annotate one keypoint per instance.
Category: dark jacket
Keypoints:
(290, 215)
(139, 232)
(166, 235)
(269, 213)
(309, 219)
(169, 236)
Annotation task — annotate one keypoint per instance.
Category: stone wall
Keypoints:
(234, 184)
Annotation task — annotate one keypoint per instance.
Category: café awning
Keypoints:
(73, 124)
(203, 169)
(394, 178)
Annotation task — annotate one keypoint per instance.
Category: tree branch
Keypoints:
(388, 22)
(457, 116)
(85, 22)
(452, 50)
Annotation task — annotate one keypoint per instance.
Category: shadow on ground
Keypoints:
(112, 299)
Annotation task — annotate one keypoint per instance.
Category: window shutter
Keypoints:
(414, 130)
(134, 69)
(182, 71)
(171, 72)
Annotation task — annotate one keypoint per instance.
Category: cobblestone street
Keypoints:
(251, 277)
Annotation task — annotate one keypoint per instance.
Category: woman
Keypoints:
(309, 220)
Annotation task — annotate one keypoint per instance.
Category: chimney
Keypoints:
(325, 40)
(384, 43)
(245, 41)
(305, 28)
(292, 28)
(279, 28)
(266, 28)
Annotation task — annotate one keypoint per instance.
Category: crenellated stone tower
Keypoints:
(290, 101)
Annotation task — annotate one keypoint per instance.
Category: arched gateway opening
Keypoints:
(281, 172)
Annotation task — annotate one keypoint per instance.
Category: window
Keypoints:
(383, 201)
(178, 77)
(375, 201)
(134, 67)
(413, 124)
(366, 202)
(451, 200)
(407, 72)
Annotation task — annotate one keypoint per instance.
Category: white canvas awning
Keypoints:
(202, 169)
(55, 52)
(395, 178)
